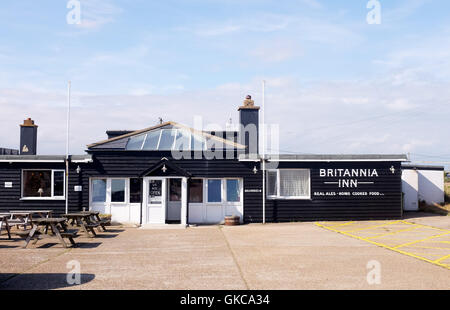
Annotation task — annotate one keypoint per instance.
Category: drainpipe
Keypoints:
(263, 153)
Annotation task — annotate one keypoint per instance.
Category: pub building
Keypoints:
(172, 174)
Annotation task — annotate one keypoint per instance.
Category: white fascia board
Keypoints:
(31, 161)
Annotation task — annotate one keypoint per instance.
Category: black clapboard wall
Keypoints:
(384, 205)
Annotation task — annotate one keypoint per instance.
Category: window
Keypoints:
(214, 190)
(43, 184)
(196, 191)
(117, 190)
(271, 183)
(289, 183)
(99, 190)
(135, 143)
(167, 140)
(135, 190)
(233, 191)
(174, 189)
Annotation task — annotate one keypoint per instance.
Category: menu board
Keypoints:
(155, 191)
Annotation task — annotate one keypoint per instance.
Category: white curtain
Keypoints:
(294, 183)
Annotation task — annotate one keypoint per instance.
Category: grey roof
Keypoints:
(423, 167)
(328, 157)
(44, 158)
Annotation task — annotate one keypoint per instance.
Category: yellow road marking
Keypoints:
(435, 262)
(421, 240)
(375, 226)
(442, 258)
(344, 224)
(394, 232)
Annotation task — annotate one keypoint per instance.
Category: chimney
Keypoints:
(249, 126)
(28, 137)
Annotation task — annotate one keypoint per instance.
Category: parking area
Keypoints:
(427, 243)
(271, 256)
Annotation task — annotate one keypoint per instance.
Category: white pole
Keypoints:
(263, 151)
(67, 147)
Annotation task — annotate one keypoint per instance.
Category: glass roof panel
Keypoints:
(197, 142)
(167, 139)
(135, 143)
(183, 140)
(151, 143)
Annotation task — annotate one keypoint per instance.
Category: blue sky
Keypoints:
(335, 84)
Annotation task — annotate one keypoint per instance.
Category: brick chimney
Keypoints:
(249, 125)
(28, 137)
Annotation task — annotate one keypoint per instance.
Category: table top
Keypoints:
(31, 211)
(81, 214)
(91, 212)
(49, 220)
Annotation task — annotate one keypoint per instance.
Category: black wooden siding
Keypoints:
(132, 164)
(332, 207)
(10, 198)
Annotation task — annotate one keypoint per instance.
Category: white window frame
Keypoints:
(52, 197)
(205, 184)
(91, 187)
(278, 196)
(203, 192)
(225, 198)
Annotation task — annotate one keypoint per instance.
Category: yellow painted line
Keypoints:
(421, 240)
(442, 258)
(344, 224)
(394, 232)
(426, 226)
(375, 226)
(386, 246)
(428, 247)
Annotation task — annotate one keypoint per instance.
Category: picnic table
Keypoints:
(58, 227)
(95, 217)
(20, 218)
(40, 213)
(4, 222)
(82, 220)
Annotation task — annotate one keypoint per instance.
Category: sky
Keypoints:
(335, 84)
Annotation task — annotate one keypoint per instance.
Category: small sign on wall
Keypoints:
(78, 188)
(8, 185)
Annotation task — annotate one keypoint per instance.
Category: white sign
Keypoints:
(8, 184)
(78, 188)
(348, 178)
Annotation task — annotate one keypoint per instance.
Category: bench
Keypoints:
(70, 234)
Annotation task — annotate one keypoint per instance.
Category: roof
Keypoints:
(422, 167)
(327, 157)
(45, 158)
(120, 142)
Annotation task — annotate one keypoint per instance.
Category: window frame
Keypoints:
(278, 196)
(52, 185)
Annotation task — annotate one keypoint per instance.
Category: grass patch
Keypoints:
(443, 209)
(447, 192)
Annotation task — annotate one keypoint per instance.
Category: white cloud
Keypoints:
(97, 13)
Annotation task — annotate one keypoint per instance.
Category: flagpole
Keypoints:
(67, 147)
(263, 151)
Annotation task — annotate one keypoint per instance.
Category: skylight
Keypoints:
(167, 140)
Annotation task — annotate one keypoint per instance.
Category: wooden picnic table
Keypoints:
(82, 220)
(4, 222)
(95, 217)
(20, 218)
(58, 227)
(40, 213)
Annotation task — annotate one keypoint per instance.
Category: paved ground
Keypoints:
(272, 256)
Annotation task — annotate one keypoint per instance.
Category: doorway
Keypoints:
(173, 215)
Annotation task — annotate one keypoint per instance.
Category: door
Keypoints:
(174, 200)
(155, 200)
(410, 188)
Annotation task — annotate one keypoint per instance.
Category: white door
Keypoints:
(410, 188)
(174, 200)
(155, 194)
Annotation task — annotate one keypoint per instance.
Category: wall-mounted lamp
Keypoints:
(164, 169)
(255, 170)
(78, 170)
